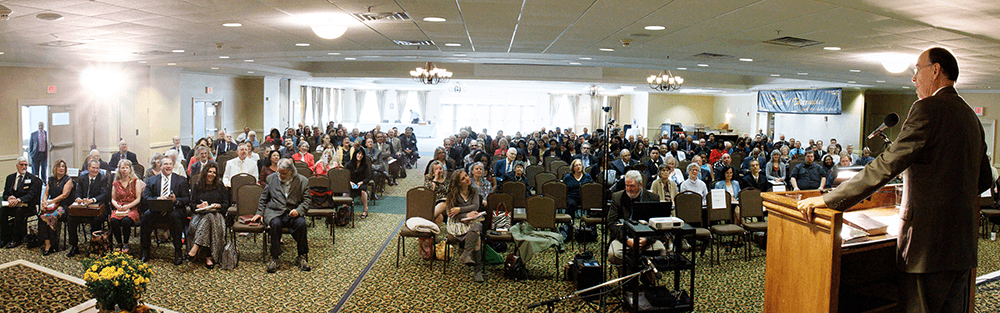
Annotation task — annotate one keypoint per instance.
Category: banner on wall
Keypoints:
(802, 101)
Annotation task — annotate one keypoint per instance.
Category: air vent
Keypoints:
(152, 52)
(60, 43)
(414, 42)
(793, 42)
(382, 16)
(709, 55)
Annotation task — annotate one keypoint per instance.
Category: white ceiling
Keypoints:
(532, 32)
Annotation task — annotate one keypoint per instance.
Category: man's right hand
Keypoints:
(257, 218)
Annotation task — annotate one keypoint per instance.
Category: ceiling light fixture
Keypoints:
(831, 48)
(350, 59)
(431, 75)
(177, 51)
(223, 56)
(459, 54)
(171, 63)
(775, 75)
(594, 90)
(248, 61)
(333, 53)
(606, 49)
(140, 62)
(434, 19)
(906, 87)
(215, 68)
(879, 81)
(249, 72)
(665, 81)
(682, 68)
(301, 44)
(855, 71)
(453, 44)
(654, 27)
(232, 24)
(851, 82)
(329, 31)
(803, 74)
(49, 16)
(703, 65)
(746, 60)
(586, 58)
(574, 63)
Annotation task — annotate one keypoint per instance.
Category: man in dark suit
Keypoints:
(225, 145)
(38, 149)
(184, 151)
(22, 191)
(621, 209)
(624, 163)
(123, 154)
(166, 186)
(284, 204)
(202, 161)
(90, 189)
(505, 165)
(937, 246)
(585, 156)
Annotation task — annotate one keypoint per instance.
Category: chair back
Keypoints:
(532, 159)
(530, 172)
(751, 204)
(303, 169)
(321, 181)
(340, 180)
(688, 207)
(555, 164)
(221, 161)
(590, 196)
(541, 212)
(547, 160)
(139, 170)
(238, 181)
(556, 190)
(518, 191)
(644, 159)
(543, 178)
(724, 214)
(493, 202)
(562, 171)
(420, 203)
(249, 197)
(683, 166)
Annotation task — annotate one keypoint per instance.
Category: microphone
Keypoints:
(890, 120)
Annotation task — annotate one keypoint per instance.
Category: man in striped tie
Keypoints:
(166, 186)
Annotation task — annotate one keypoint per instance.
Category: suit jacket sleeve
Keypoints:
(103, 195)
(148, 192)
(916, 131)
(8, 187)
(182, 192)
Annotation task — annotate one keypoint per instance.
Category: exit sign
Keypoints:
(978, 110)
(50, 89)
(208, 90)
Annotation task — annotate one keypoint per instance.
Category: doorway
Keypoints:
(205, 118)
(59, 128)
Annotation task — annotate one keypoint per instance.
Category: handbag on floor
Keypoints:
(230, 256)
(441, 250)
(513, 267)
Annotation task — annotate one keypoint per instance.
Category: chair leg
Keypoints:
(399, 243)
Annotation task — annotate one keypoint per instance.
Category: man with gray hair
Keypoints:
(586, 156)
(624, 162)
(284, 203)
(504, 166)
(22, 191)
(692, 183)
(123, 154)
(166, 186)
(622, 210)
(91, 188)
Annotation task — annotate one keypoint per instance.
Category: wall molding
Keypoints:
(161, 144)
(9, 157)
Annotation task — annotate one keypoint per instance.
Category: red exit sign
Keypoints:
(50, 89)
(978, 110)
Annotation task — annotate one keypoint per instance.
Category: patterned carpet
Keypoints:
(24, 289)
(734, 286)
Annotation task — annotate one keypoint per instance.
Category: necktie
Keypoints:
(41, 141)
(166, 187)
(90, 184)
(509, 164)
(18, 182)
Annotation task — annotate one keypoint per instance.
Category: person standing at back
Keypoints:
(38, 149)
(937, 244)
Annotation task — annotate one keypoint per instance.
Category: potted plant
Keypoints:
(117, 281)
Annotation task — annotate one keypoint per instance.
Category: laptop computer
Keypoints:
(643, 211)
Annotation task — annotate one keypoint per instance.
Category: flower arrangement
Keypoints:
(116, 279)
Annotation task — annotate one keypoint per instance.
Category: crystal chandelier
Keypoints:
(431, 75)
(665, 81)
(594, 90)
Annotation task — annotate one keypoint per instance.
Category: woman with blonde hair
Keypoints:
(125, 192)
(325, 163)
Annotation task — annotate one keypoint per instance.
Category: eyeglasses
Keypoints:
(916, 68)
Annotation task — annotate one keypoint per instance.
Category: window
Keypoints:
(369, 111)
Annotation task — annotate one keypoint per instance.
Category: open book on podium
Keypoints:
(812, 268)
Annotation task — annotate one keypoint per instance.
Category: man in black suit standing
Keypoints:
(22, 192)
(166, 186)
(90, 189)
(184, 152)
(937, 247)
(123, 154)
(38, 149)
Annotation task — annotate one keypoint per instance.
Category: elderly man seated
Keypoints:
(621, 209)
(22, 191)
(284, 203)
(91, 188)
(240, 165)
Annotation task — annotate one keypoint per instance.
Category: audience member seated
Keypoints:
(284, 203)
(505, 165)
(832, 173)
(573, 181)
(274, 138)
(718, 151)
(125, 192)
(184, 152)
(674, 174)
(436, 181)
(675, 152)
(480, 180)
(755, 154)
(207, 230)
(325, 163)
(166, 186)
(775, 169)
(154, 165)
(252, 139)
(440, 156)
(624, 163)
(22, 191)
(361, 178)
(654, 162)
(242, 137)
(727, 182)
(288, 149)
(324, 143)
(808, 175)
(303, 155)
(664, 186)
(90, 189)
(270, 166)
(56, 198)
(409, 142)
(622, 210)
(123, 154)
(462, 203)
(200, 159)
(693, 183)
(724, 161)
(866, 156)
(586, 156)
(175, 163)
(96, 155)
(225, 144)
(755, 179)
(242, 164)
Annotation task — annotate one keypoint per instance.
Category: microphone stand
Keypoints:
(605, 208)
(550, 304)
(886, 142)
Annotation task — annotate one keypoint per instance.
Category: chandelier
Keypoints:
(665, 81)
(431, 75)
(594, 90)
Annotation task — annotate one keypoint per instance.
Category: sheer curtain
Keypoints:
(381, 100)
(359, 103)
(401, 104)
(553, 108)
(422, 102)
(574, 106)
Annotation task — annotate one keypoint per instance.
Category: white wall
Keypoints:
(846, 127)
(272, 104)
(742, 109)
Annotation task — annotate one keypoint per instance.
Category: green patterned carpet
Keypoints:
(24, 289)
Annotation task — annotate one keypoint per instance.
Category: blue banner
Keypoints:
(804, 101)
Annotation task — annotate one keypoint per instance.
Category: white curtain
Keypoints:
(422, 102)
(553, 108)
(574, 106)
(598, 118)
(359, 102)
(299, 113)
(338, 106)
(380, 99)
(401, 104)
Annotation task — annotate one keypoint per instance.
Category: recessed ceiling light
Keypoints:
(775, 75)
(463, 60)
(248, 61)
(574, 63)
(434, 19)
(855, 71)
(654, 27)
(223, 56)
(250, 72)
(879, 81)
(349, 58)
(606, 49)
(87, 40)
(703, 65)
(215, 68)
(177, 51)
(171, 63)
(906, 87)
(746, 60)
(682, 68)
(803, 73)
(1, 52)
(333, 53)
(831, 48)
(232, 24)
(140, 62)
(452, 44)
(851, 82)
(460, 54)
(49, 16)
(586, 58)
(301, 44)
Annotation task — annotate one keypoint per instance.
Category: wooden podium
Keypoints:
(810, 269)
